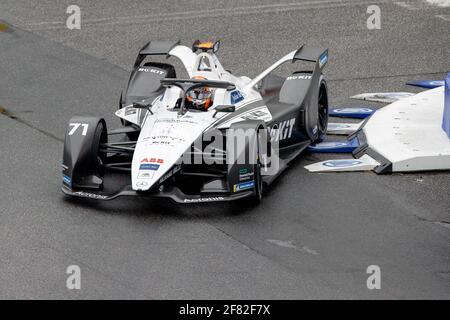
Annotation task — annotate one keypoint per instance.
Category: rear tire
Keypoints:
(322, 109)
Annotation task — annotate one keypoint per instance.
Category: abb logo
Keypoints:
(152, 160)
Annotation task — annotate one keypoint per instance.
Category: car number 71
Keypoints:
(75, 126)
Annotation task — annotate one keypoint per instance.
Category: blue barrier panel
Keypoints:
(428, 84)
(446, 118)
(334, 146)
(351, 112)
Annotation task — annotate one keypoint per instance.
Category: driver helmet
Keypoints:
(199, 98)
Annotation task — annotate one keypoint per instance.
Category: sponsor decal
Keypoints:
(145, 175)
(152, 160)
(156, 71)
(67, 180)
(141, 184)
(243, 186)
(236, 97)
(261, 113)
(165, 137)
(210, 199)
(170, 173)
(90, 195)
(244, 175)
(323, 59)
(282, 130)
(300, 77)
(352, 110)
(161, 143)
(342, 163)
(180, 120)
(258, 115)
(149, 166)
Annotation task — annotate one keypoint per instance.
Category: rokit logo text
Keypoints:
(151, 70)
(282, 130)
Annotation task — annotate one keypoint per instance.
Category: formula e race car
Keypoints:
(210, 136)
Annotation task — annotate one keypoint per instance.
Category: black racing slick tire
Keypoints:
(83, 158)
(98, 158)
(259, 185)
(322, 109)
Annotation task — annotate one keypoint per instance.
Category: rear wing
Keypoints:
(312, 54)
(153, 48)
(158, 47)
(304, 53)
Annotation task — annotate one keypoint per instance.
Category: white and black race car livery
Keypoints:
(179, 132)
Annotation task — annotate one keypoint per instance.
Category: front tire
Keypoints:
(83, 158)
(99, 158)
(95, 161)
(259, 184)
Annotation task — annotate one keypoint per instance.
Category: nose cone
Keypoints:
(162, 144)
(147, 171)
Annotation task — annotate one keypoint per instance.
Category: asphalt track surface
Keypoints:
(313, 236)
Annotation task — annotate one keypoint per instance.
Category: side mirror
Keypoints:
(216, 46)
(224, 109)
(143, 105)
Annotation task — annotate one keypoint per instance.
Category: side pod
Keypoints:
(242, 153)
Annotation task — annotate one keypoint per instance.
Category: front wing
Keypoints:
(171, 192)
